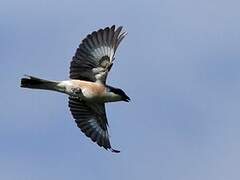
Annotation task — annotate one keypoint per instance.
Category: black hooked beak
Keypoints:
(126, 98)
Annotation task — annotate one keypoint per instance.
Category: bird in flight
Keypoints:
(87, 88)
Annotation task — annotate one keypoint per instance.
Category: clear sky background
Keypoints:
(179, 64)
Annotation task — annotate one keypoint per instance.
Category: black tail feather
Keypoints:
(37, 83)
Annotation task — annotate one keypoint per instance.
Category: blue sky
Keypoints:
(179, 64)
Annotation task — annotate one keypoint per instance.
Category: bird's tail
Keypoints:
(37, 83)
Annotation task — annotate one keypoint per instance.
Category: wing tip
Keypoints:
(114, 150)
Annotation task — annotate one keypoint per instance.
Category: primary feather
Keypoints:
(94, 56)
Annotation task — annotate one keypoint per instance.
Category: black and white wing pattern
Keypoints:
(95, 55)
(91, 119)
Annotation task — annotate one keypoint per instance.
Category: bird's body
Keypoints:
(88, 91)
(87, 87)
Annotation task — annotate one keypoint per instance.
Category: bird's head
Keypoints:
(120, 93)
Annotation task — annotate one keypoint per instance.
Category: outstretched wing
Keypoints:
(94, 56)
(91, 119)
